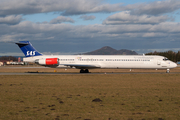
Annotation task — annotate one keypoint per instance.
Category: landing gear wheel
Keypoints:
(167, 71)
(81, 71)
(84, 71)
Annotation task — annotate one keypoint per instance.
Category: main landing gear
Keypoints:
(167, 71)
(84, 71)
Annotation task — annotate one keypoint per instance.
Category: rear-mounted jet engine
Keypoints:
(48, 62)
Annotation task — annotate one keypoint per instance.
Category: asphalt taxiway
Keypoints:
(75, 73)
(57, 73)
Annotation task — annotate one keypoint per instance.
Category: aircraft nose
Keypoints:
(174, 65)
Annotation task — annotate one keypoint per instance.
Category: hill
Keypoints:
(110, 51)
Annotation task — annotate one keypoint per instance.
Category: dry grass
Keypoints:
(124, 96)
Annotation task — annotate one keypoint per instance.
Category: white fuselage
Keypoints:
(110, 61)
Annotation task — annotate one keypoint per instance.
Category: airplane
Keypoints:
(86, 62)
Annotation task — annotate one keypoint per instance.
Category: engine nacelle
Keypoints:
(48, 61)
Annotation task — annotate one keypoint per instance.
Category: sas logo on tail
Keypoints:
(31, 53)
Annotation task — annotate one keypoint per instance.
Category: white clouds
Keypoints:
(142, 22)
(66, 34)
(155, 8)
(107, 8)
(76, 7)
(154, 34)
(85, 17)
(28, 30)
(12, 19)
(126, 18)
(166, 27)
(61, 19)
(68, 7)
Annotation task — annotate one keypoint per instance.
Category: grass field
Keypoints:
(90, 97)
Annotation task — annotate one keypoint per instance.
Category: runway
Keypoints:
(19, 70)
(57, 73)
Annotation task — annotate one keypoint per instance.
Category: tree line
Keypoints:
(8, 58)
(173, 56)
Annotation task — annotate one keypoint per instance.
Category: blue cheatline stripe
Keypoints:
(28, 49)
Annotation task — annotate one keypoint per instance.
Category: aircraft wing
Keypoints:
(82, 66)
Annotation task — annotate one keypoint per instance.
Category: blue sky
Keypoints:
(77, 26)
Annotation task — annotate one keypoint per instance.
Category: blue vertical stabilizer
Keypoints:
(28, 49)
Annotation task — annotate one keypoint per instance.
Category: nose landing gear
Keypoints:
(167, 71)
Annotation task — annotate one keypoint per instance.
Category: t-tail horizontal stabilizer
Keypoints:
(28, 49)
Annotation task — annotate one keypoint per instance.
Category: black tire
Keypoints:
(82, 71)
(86, 71)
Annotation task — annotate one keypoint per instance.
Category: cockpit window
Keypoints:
(165, 59)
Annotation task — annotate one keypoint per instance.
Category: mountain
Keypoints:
(110, 51)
